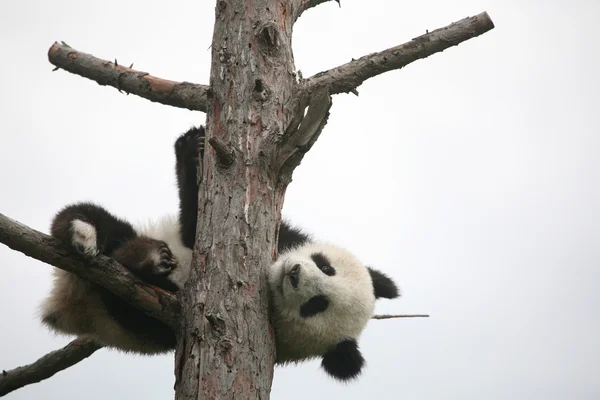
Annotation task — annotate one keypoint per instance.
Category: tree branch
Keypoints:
(177, 94)
(303, 5)
(53, 362)
(346, 78)
(101, 270)
(299, 139)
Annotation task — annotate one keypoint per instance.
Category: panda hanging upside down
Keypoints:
(322, 295)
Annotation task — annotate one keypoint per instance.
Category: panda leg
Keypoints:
(90, 229)
(149, 259)
(78, 307)
(187, 148)
(75, 305)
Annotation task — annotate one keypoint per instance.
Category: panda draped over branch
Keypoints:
(322, 295)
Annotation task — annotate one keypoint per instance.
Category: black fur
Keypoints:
(187, 148)
(290, 236)
(147, 329)
(314, 306)
(383, 286)
(117, 239)
(111, 232)
(344, 362)
(137, 255)
(323, 263)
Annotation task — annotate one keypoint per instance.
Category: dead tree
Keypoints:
(261, 118)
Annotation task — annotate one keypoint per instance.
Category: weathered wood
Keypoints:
(346, 78)
(229, 347)
(106, 73)
(48, 365)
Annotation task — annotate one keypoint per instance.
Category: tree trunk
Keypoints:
(226, 348)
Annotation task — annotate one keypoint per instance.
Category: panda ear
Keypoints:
(383, 286)
(344, 362)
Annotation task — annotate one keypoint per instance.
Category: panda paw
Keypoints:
(164, 261)
(189, 145)
(84, 238)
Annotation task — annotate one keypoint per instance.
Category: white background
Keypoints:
(470, 177)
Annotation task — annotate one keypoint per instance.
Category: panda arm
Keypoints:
(90, 229)
(187, 148)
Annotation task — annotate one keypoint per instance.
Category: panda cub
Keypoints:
(322, 295)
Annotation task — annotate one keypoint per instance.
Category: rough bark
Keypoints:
(228, 350)
(48, 365)
(106, 73)
(346, 78)
(101, 270)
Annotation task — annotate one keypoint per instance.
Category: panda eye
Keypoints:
(323, 263)
(328, 270)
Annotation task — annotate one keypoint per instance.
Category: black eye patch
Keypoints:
(323, 263)
(314, 306)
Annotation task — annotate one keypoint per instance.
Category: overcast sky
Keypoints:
(471, 177)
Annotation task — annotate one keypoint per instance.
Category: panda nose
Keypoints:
(293, 275)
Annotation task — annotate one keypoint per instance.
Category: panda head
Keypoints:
(323, 297)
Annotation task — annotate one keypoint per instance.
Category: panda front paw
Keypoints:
(149, 259)
(164, 261)
(84, 238)
(190, 145)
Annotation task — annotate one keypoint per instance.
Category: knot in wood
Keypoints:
(216, 323)
(269, 37)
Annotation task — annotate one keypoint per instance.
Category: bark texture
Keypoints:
(101, 270)
(106, 73)
(228, 351)
(48, 365)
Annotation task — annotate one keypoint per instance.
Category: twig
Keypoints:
(177, 94)
(390, 316)
(225, 153)
(48, 365)
(101, 270)
(346, 78)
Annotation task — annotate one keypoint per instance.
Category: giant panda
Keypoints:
(322, 295)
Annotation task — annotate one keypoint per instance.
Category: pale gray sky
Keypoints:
(470, 177)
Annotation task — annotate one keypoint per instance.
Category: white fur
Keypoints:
(84, 237)
(350, 295)
(167, 230)
(78, 308)
(80, 312)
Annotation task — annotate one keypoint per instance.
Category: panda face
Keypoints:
(322, 295)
